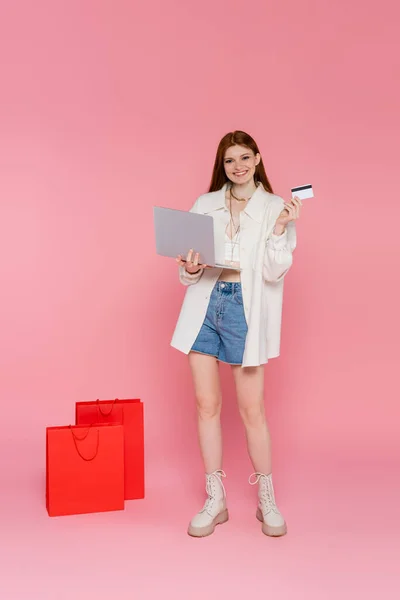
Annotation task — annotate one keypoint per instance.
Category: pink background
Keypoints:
(108, 108)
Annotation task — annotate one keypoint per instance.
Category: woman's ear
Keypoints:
(258, 159)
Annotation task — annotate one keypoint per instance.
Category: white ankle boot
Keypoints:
(214, 511)
(273, 523)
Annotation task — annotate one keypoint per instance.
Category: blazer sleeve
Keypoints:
(184, 277)
(278, 256)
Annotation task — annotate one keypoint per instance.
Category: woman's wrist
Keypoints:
(279, 229)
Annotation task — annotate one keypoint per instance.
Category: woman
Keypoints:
(234, 316)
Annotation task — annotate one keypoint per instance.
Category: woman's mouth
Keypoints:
(240, 173)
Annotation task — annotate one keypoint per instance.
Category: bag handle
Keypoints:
(78, 439)
(105, 413)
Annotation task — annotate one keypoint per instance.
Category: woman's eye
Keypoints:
(228, 161)
(246, 157)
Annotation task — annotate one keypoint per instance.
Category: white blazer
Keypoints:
(265, 259)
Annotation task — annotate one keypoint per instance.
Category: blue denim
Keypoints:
(223, 333)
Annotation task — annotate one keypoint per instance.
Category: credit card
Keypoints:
(303, 192)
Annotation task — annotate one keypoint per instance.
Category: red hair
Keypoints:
(236, 138)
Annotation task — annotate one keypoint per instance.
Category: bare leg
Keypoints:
(208, 397)
(249, 383)
(250, 392)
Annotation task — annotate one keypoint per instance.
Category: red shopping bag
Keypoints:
(130, 414)
(84, 469)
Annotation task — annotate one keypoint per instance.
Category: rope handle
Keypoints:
(105, 413)
(80, 439)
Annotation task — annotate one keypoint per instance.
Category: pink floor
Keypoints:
(343, 540)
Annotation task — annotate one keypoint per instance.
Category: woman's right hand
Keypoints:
(192, 262)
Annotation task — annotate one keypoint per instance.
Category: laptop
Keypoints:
(177, 231)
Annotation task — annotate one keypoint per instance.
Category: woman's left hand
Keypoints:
(291, 212)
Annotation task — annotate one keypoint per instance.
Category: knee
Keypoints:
(253, 416)
(208, 408)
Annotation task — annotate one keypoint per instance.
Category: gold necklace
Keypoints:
(238, 199)
(232, 222)
(233, 238)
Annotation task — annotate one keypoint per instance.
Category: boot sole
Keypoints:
(268, 530)
(199, 532)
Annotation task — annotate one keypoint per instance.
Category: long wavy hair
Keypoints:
(236, 138)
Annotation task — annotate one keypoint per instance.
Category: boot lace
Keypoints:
(211, 489)
(266, 492)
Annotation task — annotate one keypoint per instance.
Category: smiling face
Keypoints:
(240, 164)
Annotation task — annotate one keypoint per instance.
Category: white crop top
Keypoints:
(231, 250)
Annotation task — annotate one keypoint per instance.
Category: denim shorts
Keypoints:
(223, 333)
